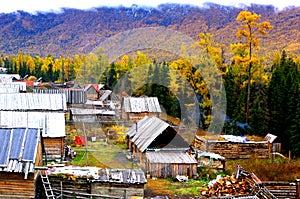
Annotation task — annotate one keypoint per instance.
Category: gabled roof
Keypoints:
(147, 132)
(141, 104)
(94, 86)
(152, 131)
(18, 149)
(32, 101)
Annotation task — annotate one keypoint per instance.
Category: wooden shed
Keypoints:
(20, 153)
(43, 111)
(161, 151)
(96, 182)
(233, 149)
(166, 163)
(135, 108)
(91, 91)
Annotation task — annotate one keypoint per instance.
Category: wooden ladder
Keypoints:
(47, 187)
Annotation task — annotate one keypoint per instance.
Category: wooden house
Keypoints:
(160, 150)
(43, 111)
(93, 182)
(91, 91)
(135, 108)
(20, 154)
(233, 149)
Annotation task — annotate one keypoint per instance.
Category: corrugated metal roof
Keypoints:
(52, 124)
(18, 150)
(141, 104)
(173, 157)
(105, 95)
(32, 101)
(81, 111)
(133, 129)
(124, 176)
(73, 96)
(147, 132)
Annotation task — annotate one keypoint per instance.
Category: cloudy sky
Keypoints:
(55, 5)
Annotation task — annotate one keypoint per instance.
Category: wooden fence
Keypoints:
(282, 189)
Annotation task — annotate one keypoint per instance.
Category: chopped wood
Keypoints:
(241, 183)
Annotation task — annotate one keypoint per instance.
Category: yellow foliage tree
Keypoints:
(249, 31)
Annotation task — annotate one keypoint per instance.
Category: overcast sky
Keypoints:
(55, 5)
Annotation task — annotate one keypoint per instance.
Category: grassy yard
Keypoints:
(102, 154)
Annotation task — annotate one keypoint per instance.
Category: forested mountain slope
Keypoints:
(80, 31)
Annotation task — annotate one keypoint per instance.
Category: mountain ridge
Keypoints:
(74, 31)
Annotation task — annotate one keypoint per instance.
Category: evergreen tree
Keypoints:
(283, 102)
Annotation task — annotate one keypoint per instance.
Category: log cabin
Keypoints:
(135, 108)
(33, 110)
(160, 150)
(20, 154)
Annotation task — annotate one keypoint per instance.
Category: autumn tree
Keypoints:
(249, 31)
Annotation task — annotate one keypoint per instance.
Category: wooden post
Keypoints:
(297, 188)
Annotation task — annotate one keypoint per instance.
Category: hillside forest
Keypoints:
(262, 96)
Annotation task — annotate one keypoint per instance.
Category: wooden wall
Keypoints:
(232, 150)
(160, 170)
(114, 189)
(54, 147)
(135, 117)
(13, 185)
(82, 185)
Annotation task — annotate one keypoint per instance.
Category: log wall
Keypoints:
(83, 185)
(13, 185)
(282, 189)
(160, 170)
(114, 189)
(232, 150)
(54, 147)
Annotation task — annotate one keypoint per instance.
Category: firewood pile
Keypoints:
(240, 183)
(228, 186)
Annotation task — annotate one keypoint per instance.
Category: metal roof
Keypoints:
(124, 176)
(52, 124)
(147, 132)
(170, 157)
(105, 95)
(73, 96)
(18, 148)
(141, 104)
(133, 129)
(32, 101)
(82, 111)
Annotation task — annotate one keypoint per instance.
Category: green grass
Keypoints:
(102, 154)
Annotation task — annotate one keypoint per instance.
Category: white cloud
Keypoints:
(56, 5)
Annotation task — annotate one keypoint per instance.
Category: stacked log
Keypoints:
(228, 186)
(240, 183)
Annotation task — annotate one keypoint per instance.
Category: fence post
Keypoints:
(297, 188)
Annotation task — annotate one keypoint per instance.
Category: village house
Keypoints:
(235, 147)
(20, 155)
(43, 111)
(160, 150)
(91, 91)
(97, 182)
(135, 108)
